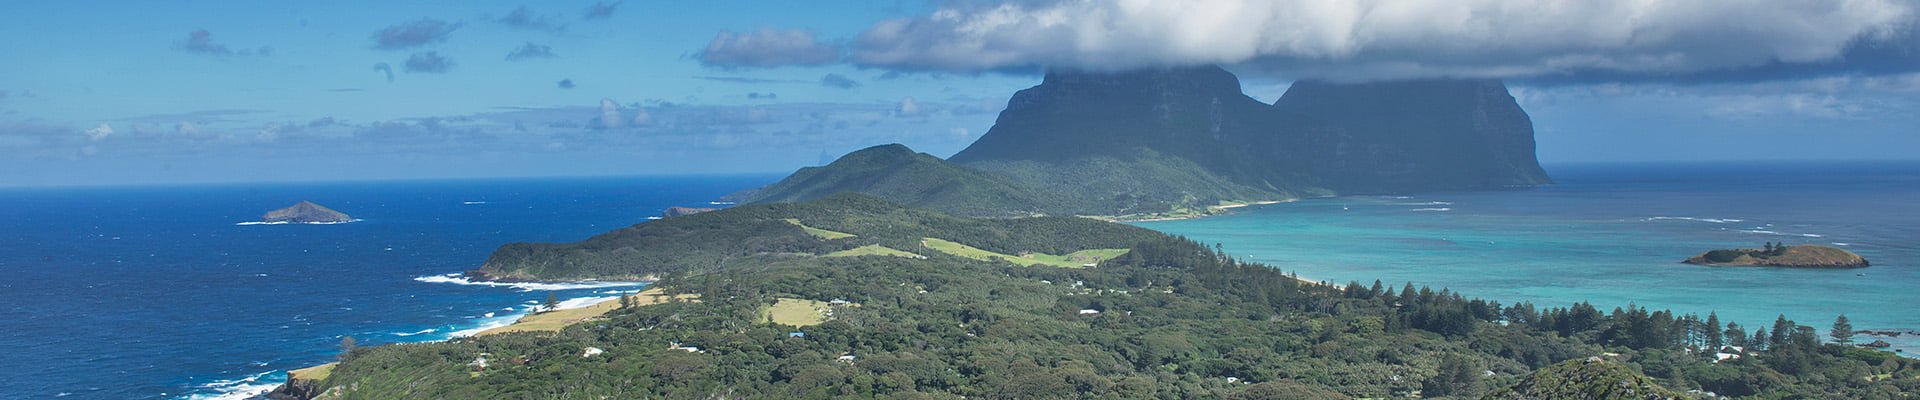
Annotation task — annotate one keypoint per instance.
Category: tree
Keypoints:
(1736, 336)
(1714, 338)
(551, 303)
(1769, 248)
(1842, 332)
(347, 345)
(1456, 375)
(626, 302)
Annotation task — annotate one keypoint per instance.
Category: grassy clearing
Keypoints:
(873, 250)
(796, 312)
(314, 373)
(553, 321)
(817, 232)
(1078, 259)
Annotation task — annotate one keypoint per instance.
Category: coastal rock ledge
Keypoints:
(1801, 256)
(305, 212)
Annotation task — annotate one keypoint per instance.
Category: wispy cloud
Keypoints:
(767, 48)
(523, 18)
(413, 34)
(429, 63)
(531, 51)
(384, 68)
(601, 10)
(838, 81)
(201, 41)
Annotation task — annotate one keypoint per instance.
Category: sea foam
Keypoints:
(1436, 209)
(1712, 220)
(251, 386)
(459, 279)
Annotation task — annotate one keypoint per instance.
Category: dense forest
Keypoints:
(1169, 319)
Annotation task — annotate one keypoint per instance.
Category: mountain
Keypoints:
(1418, 135)
(305, 212)
(900, 175)
(1182, 140)
(1136, 142)
(1590, 379)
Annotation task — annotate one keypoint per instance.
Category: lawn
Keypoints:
(1078, 259)
(796, 312)
(553, 321)
(817, 232)
(314, 373)
(873, 250)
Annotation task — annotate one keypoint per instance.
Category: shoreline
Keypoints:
(1209, 212)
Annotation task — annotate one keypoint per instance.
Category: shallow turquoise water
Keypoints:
(1613, 235)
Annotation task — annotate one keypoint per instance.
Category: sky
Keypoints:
(114, 93)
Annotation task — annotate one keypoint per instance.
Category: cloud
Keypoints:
(413, 34)
(601, 10)
(838, 81)
(1407, 38)
(761, 96)
(907, 108)
(99, 133)
(767, 47)
(531, 51)
(565, 83)
(428, 63)
(739, 79)
(609, 115)
(525, 19)
(386, 69)
(201, 41)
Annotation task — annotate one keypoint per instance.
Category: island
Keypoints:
(676, 211)
(305, 212)
(852, 296)
(1781, 255)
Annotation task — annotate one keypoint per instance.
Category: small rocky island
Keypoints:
(1782, 255)
(305, 212)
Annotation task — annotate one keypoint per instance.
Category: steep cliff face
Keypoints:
(1404, 136)
(1143, 141)
(1168, 134)
(1179, 140)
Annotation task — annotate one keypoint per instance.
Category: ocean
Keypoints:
(1614, 235)
(160, 292)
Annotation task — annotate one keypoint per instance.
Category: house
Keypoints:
(1089, 311)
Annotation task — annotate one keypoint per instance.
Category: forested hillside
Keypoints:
(1169, 318)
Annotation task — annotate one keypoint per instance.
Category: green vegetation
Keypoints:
(553, 321)
(898, 174)
(1782, 255)
(817, 232)
(752, 236)
(1587, 379)
(1076, 259)
(1169, 318)
(797, 312)
(873, 250)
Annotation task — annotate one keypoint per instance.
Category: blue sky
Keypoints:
(95, 92)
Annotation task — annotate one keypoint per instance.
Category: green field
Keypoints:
(313, 373)
(817, 232)
(796, 312)
(873, 250)
(1078, 259)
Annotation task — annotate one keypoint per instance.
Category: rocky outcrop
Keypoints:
(1399, 136)
(677, 211)
(305, 212)
(1801, 256)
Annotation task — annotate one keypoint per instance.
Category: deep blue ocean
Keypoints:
(155, 292)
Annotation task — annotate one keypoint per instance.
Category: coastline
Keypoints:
(1179, 216)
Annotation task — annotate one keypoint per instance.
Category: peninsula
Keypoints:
(1771, 255)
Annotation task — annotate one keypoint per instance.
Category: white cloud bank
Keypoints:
(1393, 38)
